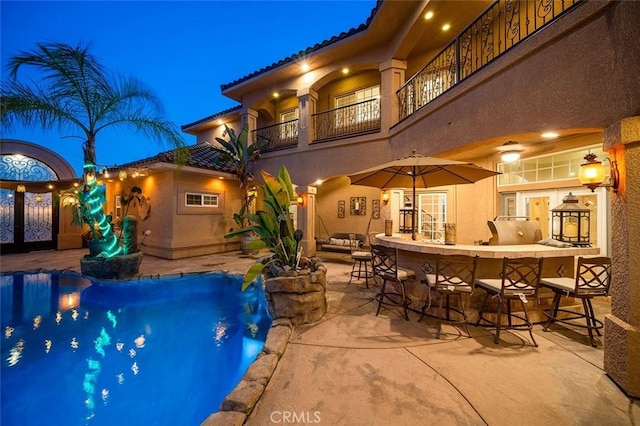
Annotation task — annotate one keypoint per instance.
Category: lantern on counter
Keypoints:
(570, 222)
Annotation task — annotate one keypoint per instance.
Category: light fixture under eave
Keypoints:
(510, 151)
(593, 173)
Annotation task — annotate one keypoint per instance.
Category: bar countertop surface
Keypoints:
(404, 242)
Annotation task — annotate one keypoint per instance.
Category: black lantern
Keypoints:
(570, 222)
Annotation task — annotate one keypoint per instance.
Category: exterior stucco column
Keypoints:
(250, 116)
(307, 219)
(307, 99)
(391, 79)
(622, 326)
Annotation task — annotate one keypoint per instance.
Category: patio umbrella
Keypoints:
(417, 171)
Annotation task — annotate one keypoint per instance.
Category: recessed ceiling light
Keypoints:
(446, 27)
(549, 135)
(428, 15)
(276, 94)
(345, 70)
(305, 67)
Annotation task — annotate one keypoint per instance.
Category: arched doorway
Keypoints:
(29, 210)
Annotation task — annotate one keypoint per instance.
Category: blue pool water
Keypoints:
(150, 352)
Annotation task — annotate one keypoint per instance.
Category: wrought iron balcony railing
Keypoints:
(350, 120)
(280, 136)
(500, 27)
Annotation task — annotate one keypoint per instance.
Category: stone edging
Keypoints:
(237, 406)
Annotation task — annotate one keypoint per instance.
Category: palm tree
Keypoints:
(76, 93)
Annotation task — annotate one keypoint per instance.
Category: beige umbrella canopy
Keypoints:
(416, 171)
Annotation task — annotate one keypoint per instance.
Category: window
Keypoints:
(289, 124)
(365, 104)
(204, 200)
(560, 166)
(432, 214)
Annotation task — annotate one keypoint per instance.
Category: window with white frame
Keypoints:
(289, 127)
(553, 167)
(432, 214)
(193, 199)
(362, 111)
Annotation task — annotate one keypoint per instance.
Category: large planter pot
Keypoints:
(300, 298)
(117, 267)
(244, 241)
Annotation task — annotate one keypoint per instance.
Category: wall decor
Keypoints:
(375, 209)
(341, 209)
(358, 206)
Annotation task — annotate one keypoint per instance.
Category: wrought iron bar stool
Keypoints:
(361, 259)
(385, 266)
(454, 276)
(518, 280)
(593, 278)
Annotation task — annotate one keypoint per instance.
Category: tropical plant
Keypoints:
(240, 155)
(274, 228)
(78, 94)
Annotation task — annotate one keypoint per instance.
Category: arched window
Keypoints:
(21, 167)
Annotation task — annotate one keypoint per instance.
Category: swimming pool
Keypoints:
(149, 352)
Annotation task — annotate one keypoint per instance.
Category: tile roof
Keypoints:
(307, 51)
(202, 156)
(286, 60)
(212, 117)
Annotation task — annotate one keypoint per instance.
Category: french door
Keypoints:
(537, 205)
(28, 221)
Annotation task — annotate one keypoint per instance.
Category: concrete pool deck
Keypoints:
(356, 368)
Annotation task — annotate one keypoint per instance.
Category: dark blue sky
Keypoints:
(183, 50)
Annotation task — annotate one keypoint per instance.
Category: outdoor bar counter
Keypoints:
(414, 254)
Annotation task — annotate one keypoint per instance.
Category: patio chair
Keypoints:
(361, 259)
(385, 266)
(593, 278)
(518, 280)
(454, 276)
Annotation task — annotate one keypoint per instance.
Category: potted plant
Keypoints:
(240, 156)
(295, 286)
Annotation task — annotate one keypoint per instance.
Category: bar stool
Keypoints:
(454, 276)
(385, 265)
(518, 280)
(360, 258)
(593, 278)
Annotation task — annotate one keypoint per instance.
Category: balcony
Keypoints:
(280, 136)
(349, 120)
(500, 27)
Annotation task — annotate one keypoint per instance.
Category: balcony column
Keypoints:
(391, 79)
(249, 116)
(622, 326)
(307, 219)
(307, 100)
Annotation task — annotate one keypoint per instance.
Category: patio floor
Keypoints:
(356, 368)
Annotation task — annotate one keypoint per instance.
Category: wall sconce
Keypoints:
(122, 174)
(300, 200)
(510, 151)
(385, 197)
(592, 173)
(39, 198)
(20, 188)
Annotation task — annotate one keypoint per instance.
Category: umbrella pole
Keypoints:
(414, 212)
